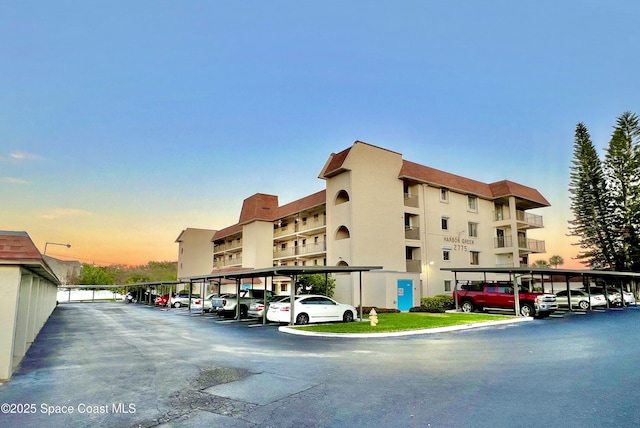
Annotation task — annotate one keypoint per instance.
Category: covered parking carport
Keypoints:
(292, 272)
(619, 280)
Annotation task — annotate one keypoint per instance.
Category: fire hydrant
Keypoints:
(373, 317)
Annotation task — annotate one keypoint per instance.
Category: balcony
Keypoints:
(231, 245)
(414, 265)
(524, 219)
(300, 226)
(301, 250)
(411, 200)
(532, 245)
(527, 220)
(411, 232)
(225, 262)
(524, 244)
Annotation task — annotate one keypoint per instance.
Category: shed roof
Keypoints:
(17, 248)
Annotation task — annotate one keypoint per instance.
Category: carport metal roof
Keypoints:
(280, 271)
(547, 271)
(290, 271)
(521, 271)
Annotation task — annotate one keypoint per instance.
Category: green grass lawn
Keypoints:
(403, 322)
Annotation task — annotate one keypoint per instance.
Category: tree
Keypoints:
(316, 283)
(591, 214)
(622, 172)
(556, 261)
(95, 275)
(540, 264)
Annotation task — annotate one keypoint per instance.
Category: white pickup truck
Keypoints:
(227, 306)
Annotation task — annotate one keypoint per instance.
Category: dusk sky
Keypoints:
(124, 122)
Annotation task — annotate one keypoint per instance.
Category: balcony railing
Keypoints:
(227, 246)
(533, 245)
(532, 220)
(414, 265)
(411, 200)
(501, 215)
(224, 261)
(301, 250)
(300, 226)
(411, 232)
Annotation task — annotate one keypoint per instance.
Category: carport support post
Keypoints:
(360, 275)
(292, 299)
(455, 289)
(516, 293)
(264, 298)
(569, 292)
(238, 299)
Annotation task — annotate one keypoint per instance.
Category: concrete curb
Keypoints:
(295, 331)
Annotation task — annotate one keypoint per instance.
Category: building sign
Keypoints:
(459, 244)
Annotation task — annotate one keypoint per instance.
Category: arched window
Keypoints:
(342, 197)
(342, 263)
(343, 233)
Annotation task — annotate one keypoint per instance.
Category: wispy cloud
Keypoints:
(57, 213)
(23, 156)
(13, 180)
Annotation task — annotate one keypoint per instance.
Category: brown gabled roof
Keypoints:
(334, 164)
(311, 201)
(509, 188)
(261, 207)
(461, 184)
(440, 178)
(18, 246)
(258, 207)
(227, 231)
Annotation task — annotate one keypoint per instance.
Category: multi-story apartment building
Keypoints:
(381, 210)
(195, 251)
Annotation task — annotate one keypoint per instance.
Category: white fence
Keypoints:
(87, 295)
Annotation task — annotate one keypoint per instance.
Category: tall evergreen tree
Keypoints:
(591, 214)
(622, 174)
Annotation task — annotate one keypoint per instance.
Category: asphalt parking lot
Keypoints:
(118, 365)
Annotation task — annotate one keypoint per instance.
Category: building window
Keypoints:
(473, 230)
(446, 255)
(474, 257)
(444, 195)
(447, 285)
(283, 246)
(445, 223)
(342, 197)
(472, 203)
(283, 287)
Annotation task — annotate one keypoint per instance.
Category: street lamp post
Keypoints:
(54, 243)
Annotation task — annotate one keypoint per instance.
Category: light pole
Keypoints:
(54, 243)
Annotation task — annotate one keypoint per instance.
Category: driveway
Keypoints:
(118, 365)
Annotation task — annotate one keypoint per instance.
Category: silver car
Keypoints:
(257, 309)
(580, 299)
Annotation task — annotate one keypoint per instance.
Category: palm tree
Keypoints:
(556, 261)
(540, 264)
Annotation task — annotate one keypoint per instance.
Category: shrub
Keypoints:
(438, 303)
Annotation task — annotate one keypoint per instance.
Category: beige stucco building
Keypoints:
(195, 252)
(378, 209)
(28, 289)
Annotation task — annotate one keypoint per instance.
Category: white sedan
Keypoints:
(311, 308)
(580, 299)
